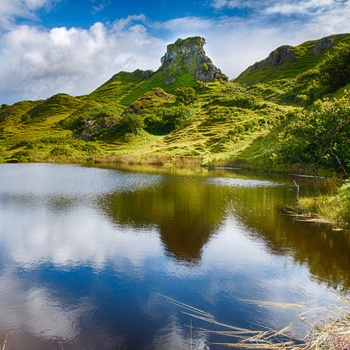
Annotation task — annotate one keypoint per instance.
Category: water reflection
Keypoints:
(324, 251)
(184, 210)
(86, 255)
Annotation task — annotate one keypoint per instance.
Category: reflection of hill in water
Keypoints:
(185, 210)
(325, 252)
(188, 210)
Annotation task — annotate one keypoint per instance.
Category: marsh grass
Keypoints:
(329, 327)
(334, 206)
(4, 343)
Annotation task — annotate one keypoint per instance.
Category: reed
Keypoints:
(4, 343)
(329, 328)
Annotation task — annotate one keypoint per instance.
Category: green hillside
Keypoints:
(187, 111)
(296, 60)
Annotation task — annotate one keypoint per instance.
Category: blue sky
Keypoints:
(73, 46)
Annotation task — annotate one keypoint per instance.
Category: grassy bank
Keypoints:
(333, 206)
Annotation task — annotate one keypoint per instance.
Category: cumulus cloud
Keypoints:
(73, 60)
(36, 62)
(99, 5)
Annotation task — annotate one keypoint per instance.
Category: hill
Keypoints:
(290, 61)
(188, 111)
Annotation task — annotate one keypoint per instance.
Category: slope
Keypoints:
(290, 61)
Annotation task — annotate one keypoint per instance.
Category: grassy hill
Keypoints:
(185, 110)
(301, 58)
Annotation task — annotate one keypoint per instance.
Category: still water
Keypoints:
(88, 254)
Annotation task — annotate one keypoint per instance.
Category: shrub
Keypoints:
(130, 123)
(320, 136)
(335, 69)
(185, 95)
(167, 119)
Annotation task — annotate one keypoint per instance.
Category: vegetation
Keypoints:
(333, 205)
(289, 112)
(320, 136)
(329, 328)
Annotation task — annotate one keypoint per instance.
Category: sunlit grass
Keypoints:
(335, 206)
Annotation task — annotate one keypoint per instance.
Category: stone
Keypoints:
(322, 45)
(275, 58)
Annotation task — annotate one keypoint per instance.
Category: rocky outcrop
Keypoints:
(143, 74)
(322, 45)
(188, 56)
(276, 58)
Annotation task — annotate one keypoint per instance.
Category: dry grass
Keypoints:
(4, 343)
(329, 328)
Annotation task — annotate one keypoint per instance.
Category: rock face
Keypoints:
(322, 45)
(276, 58)
(188, 56)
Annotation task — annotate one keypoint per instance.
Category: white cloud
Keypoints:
(73, 60)
(37, 311)
(231, 4)
(37, 63)
(11, 10)
(100, 5)
(300, 7)
(193, 24)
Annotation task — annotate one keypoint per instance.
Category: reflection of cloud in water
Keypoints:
(45, 180)
(254, 274)
(37, 311)
(80, 237)
(173, 337)
(225, 181)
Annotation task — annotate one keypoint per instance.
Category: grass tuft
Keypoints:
(329, 328)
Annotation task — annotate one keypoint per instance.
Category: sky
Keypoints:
(74, 46)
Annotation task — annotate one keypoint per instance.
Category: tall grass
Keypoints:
(4, 343)
(332, 203)
(329, 328)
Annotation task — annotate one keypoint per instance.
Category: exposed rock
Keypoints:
(188, 47)
(276, 58)
(322, 45)
(188, 56)
(144, 74)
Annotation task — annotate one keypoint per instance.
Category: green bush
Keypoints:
(167, 119)
(335, 69)
(320, 136)
(185, 95)
(130, 124)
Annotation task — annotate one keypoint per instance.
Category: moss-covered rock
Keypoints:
(188, 56)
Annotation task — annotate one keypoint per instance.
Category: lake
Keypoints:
(91, 257)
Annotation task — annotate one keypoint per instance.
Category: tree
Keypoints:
(335, 69)
(130, 124)
(320, 136)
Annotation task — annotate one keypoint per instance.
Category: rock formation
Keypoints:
(277, 57)
(322, 45)
(188, 56)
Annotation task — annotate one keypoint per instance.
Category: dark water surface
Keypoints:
(87, 253)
